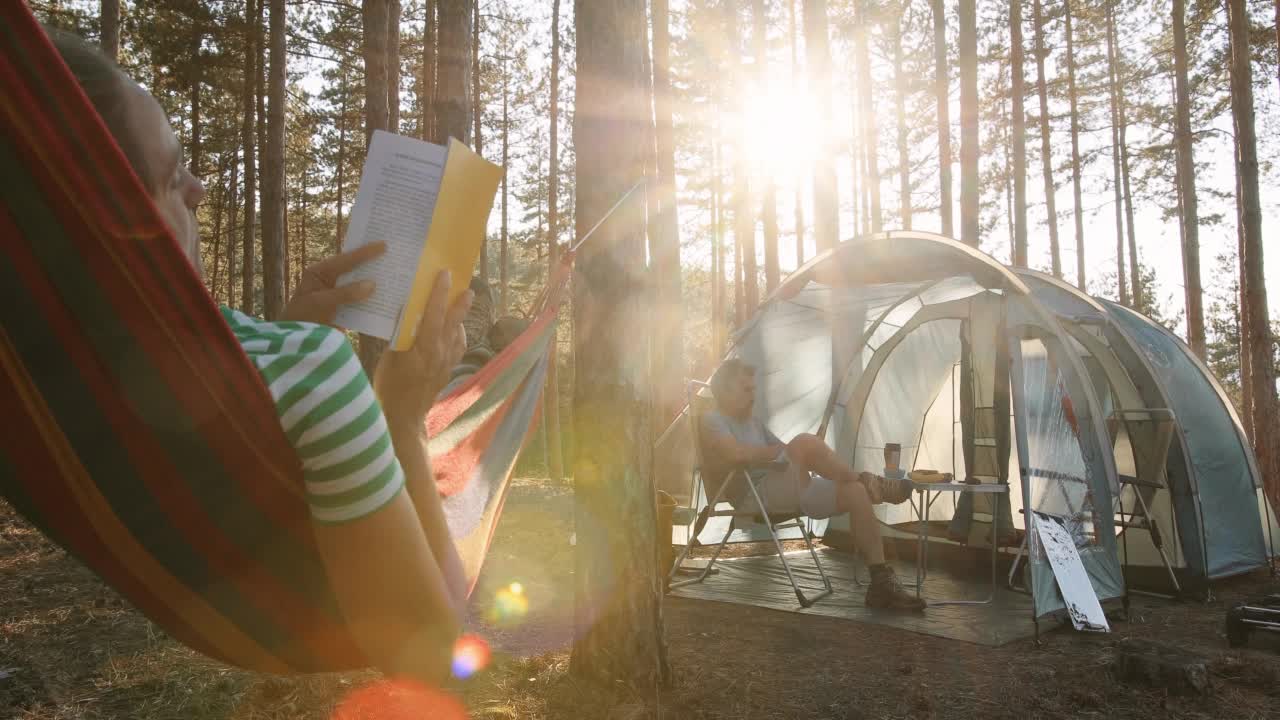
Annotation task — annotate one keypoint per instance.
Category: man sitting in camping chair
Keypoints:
(801, 477)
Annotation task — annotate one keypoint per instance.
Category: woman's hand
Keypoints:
(407, 382)
(318, 295)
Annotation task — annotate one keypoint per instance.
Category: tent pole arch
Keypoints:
(1130, 346)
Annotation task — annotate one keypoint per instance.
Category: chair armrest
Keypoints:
(767, 466)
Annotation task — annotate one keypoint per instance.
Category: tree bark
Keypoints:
(376, 117)
(1117, 182)
(744, 227)
(453, 73)
(109, 21)
(1078, 214)
(1046, 148)
(1252, 274)
(1188, 205)
(967, 42)
(900, 105)
(1135, 284)
(769, 198)
(870, 135)
(942, 83)
(664, 242)
(219, 209)
(477, 117)
(795, 81)
(1019, 130)
(718, 315)
(826, 206)
(426, 103)
(551, 399)
(340, 171)
(234, 186)
(273, 188)
(393, 66)
(249, 140)
(504, 289)
(618, 599)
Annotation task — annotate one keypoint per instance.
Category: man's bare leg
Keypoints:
(813, 455)
(852, 497)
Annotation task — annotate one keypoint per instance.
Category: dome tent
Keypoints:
(915, 339)
(909, 337)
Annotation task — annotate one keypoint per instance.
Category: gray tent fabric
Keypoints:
(1211, 512)
(1225, 473)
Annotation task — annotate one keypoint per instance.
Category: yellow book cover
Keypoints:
(430, 205)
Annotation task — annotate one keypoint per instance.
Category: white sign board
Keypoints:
(1077, 592)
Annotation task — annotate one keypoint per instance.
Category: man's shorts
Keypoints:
(794, 491)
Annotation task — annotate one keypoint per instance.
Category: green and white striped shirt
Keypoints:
(329, 413)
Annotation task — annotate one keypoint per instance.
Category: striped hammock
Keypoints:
(140, 438)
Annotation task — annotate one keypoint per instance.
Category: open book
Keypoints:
(430, 205)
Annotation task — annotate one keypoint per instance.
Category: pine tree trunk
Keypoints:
(504, 281)
(551, 399)
(273, 187)
(1117, 183)
(454, 71)
(427, 103)
(795, 81)
(942, 83)
(664, 242)
(234, 186)
(340, 171)
(376, 117)
(249, 139)
(618, 595)
(744, 226)
(214, 279)
(477, 117)
(870, 135)
(302, 230)
(1188, 205)
(1135, 284)
(769, 198)
(967, 42)
(1018, 94)
(109, 21)
(718, 315)
(1078, 210)
(393, 66)
(900, 105)
(195, 154)
(1252, 274)
(826, 205)
(855, 160)
(1046, 147)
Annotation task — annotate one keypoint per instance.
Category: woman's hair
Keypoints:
(107, 87)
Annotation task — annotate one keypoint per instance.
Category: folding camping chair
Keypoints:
(698, 406)
(1150, 432)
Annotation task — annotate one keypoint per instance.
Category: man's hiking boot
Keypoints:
(886, 593)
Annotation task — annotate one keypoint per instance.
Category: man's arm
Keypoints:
(728, 449)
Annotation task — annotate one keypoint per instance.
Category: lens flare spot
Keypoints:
(510, 605)
(470, 656)
(399, 700)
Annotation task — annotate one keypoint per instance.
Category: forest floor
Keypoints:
(70, 648)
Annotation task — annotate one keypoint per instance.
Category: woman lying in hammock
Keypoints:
(393, 567)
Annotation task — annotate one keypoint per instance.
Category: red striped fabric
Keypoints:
(186, 471)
